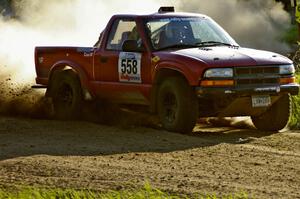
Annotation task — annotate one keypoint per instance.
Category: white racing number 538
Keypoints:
(129, 67)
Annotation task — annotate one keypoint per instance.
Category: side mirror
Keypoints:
(131, 46)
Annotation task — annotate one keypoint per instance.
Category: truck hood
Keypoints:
(230, 56)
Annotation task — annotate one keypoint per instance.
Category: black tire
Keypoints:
(276, 118)
(177, 105)
(66, 94)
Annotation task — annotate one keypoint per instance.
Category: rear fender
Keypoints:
(77, 69)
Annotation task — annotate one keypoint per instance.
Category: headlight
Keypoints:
(219, 72)
(287, 69)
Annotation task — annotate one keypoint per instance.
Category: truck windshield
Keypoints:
(185, 32)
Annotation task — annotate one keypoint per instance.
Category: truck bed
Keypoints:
(46, 58)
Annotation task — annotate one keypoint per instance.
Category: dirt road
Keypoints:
(93, 156)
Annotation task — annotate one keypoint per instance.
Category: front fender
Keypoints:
(187, 73)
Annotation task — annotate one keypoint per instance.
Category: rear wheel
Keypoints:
(177, 105)
(66, 95)
(275, 118)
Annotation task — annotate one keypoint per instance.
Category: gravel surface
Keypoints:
(85, 155)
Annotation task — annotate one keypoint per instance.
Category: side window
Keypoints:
(122, 30)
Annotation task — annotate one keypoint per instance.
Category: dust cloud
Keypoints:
(48, 23)
(55, 22)
(255, 23)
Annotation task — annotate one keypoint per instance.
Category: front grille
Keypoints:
(258, 75)
(256, 70)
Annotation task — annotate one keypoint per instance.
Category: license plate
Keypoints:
(261, 101)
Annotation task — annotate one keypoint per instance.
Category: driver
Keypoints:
(134, 35)
(176, 32)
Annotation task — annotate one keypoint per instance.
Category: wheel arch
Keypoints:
(162, 74)
(63, 66)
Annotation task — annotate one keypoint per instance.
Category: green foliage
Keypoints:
(295, 118)
(291, 35)
(145, 193)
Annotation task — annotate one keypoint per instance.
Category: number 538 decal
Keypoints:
(130, 67)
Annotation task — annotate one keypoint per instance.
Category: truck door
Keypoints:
(122, 75)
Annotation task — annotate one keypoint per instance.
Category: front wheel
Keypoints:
(275, 118)
(177, 105)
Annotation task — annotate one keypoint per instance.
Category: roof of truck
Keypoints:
(162, 15)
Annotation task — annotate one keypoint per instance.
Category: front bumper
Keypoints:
(292, 89)
(237, 101)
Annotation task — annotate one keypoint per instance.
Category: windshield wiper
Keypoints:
(214, 43)
(200, 44)
(179, 46)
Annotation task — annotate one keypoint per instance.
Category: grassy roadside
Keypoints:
(145, 193)
(291, 37)
(295, 118)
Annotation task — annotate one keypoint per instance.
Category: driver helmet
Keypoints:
(176, 30)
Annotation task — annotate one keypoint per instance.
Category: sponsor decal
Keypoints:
(41, 60)
(155, 59)
(268, 89)
(87, 52)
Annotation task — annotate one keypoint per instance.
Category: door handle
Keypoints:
(103, 59)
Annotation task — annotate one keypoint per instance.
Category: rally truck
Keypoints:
(179, 66)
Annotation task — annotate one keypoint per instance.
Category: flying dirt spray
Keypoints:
(252, 23)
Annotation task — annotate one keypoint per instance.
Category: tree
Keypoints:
(6, 8)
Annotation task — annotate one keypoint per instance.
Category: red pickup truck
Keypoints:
(181, 66)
